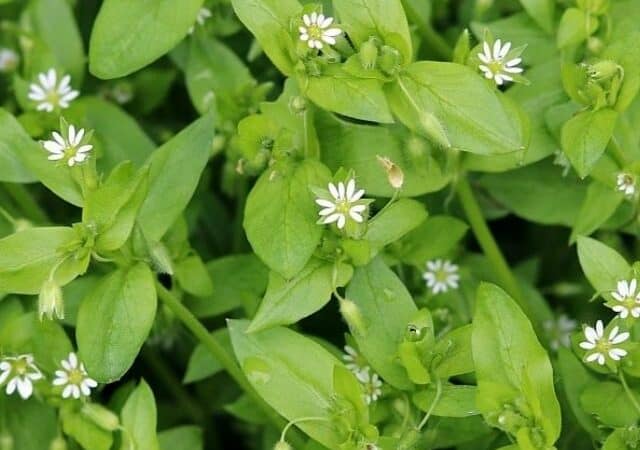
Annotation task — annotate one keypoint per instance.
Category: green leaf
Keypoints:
(115, 320)
(394, 222)
(238, 280)
(28, 257)
(608, 401)
(617, 440)
(434, 238)
(444, 91)
(455, 356)
(84, 431)
(542, 11)
(281, 215)
(114, 206)
(339, 92)
(599, 204)
(291, 373)
(186, 437)
(538, 193)
(288, 301)
(348, 145)
(128, 35)
(575, 379)
(175, 170)
(386, 307)
(573, 27)
(585, 137)
(455, 401)
(384, 19)
(43, 420)
(202, 364)
(511, 365)
(269, 21)
(54, 24)
(602, 265)
(193, 276)
(213, 70)
(29, 157)
(139, 419)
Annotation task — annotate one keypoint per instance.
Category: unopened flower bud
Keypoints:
(352, 316)
(282, 445)
(9, 60)
(122, 92)
(101, 416)
(6, 441)
(389, 61)
(369, 53)
(58, 444)
(595, 45)
(218, 144)
(161, 259)
(50, 302)
(395, 175)
(432, 127)
(603, 70)
(298, 104)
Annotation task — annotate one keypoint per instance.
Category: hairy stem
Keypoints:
(433, 405)
(489, 246)
(223, 357)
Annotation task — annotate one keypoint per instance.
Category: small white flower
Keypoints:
(494, 64)
(68, 145)
(441, 276)
(352, 359)
(372, 385)
(49, 94)
(343, 205)
(626, 184)
(203, 15)
(21, 372)
(628, 300)
(8, 60)
(74, 378)
(316, 30)
(559, 331)
(599, 346)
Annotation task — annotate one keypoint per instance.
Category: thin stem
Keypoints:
(219, 352)
(311, 149)
(489, 245)
(297, 421)
(632, 397)
(433, 405)
(617, 153)
(23, 200)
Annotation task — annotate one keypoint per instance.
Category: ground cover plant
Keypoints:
(341, 224)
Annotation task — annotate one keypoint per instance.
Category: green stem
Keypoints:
(617, 153)
(489, 245)
(428, 34)
(632, 397)
(225, 359)
(23, 200)
(433, 405)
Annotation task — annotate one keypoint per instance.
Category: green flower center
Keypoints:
(75, 377)
(20, 366)
(315, 32)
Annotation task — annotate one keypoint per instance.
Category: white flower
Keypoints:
(68, 145)
(74, 378)
(203, 15)
(599, 346)
(441, 276)
(342, 206)
(372, 385)
(627, 298)
(352, 359)
(559, 331)
(21, 372)
(8, 60)
(316, 30)
(49, 94)
(495, 66)
(626, 184)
